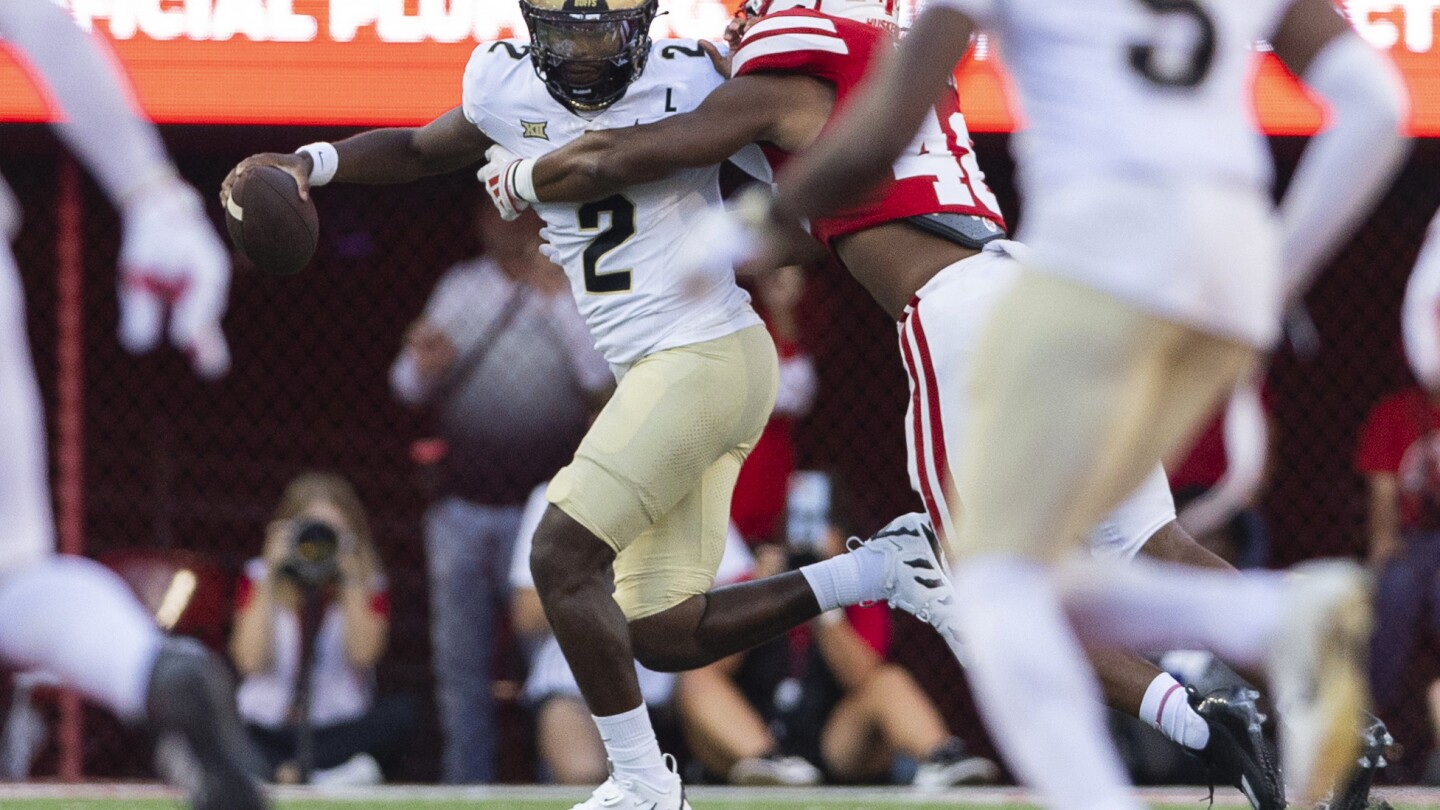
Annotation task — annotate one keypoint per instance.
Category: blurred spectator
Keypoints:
(316, 602)
(503, 357)
(568, 743)
(1399, 455)
(760, 491)
(824, 696)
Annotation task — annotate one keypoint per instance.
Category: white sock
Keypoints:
(1166, 709)
(847, 579)
(1035, 688)
(1151, 606)
(77, 620)
(631, 745)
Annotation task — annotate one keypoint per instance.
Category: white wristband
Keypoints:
(522, 177)
(324, 159)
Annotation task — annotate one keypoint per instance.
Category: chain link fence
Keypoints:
(174, 464)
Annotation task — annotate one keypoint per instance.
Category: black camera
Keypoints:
(314, 559)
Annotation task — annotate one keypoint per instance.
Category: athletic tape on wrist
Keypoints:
(522, 177)
(325, 161)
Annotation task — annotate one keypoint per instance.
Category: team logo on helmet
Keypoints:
(584, 6)
(589, 52)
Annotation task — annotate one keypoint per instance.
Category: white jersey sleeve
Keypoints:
(1420, 315)
(1363, 143)
(619, 252)
(492, 66)
(102, 125)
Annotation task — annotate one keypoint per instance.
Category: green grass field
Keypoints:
(550, 804)
(129, 797)
(508, 803)
(495, 804)
(475, 804)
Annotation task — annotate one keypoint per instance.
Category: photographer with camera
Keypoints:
(311, 622)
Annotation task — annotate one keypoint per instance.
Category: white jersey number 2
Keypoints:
(620, 213)
(930, 156)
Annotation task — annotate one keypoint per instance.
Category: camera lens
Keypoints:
(314, 547)
(316, 541)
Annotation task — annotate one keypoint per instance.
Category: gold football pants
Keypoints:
(1075, 394)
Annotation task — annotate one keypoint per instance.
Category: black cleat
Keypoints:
(1375, 741)
(951, 765)
(201, 745)
(1237, 753)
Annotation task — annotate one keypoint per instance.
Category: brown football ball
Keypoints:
(275, 229)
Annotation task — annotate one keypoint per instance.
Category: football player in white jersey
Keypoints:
(66, 615)
(1158, 276)
(937, 263)
(642, 511)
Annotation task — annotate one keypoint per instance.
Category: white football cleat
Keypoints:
(915, 577)
(623, 793)
(1317, 670)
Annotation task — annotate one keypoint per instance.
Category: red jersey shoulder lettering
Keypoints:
(937, 174)
(808, 43)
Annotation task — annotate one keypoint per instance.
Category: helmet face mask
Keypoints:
(589, 52)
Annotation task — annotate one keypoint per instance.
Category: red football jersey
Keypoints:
(937, 173)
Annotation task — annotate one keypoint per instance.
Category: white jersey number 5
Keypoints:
(1167, 68)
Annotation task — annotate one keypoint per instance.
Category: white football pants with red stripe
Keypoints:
(938, 341)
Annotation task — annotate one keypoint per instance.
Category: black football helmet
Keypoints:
(589, 52)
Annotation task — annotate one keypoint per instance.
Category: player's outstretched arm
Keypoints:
(388, 156)
(101, 124)
(1348, 166)
(171, 260)
(857, 154)
(379, 157)
(788, 111)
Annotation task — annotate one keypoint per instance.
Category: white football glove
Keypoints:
(723, 237)
(506, 177)
(172, 261)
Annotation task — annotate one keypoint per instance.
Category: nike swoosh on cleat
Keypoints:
(1248, 791)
